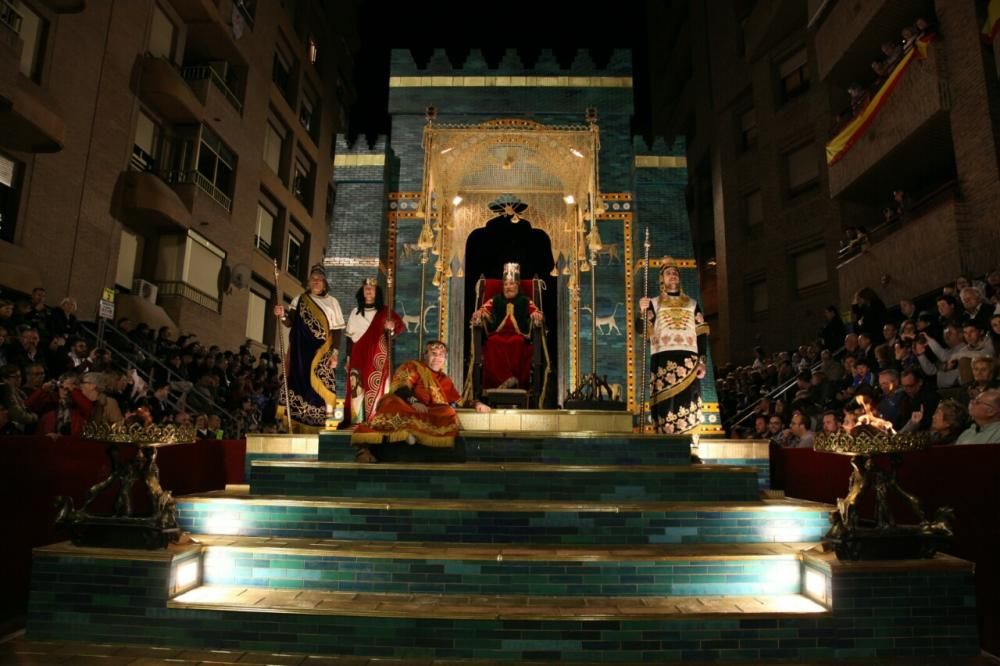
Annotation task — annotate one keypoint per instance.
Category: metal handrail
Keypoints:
(202, 72)
(745, 414)
(194, 176)
(147, 356)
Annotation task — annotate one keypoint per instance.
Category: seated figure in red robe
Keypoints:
(419, 408)
(508, 318)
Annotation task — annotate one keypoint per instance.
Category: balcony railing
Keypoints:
(264, 246)
(193, 294)
(203, 183)
(203, 72)
(141, 160)
(9, 17)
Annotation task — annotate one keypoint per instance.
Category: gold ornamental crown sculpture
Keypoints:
(867, 441)
(139, 434)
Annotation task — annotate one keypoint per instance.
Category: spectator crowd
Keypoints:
(899, 369)
(54, 380)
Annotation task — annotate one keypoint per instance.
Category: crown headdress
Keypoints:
(511, 272)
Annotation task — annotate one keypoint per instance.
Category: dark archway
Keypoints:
(501, 241)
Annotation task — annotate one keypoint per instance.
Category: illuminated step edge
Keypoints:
(568, 448)
(523, 481)
(506, 521)
(501, 607)
(490, 570)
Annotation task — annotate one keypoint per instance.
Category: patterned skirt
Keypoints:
(675, 392)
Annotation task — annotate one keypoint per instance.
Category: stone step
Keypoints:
(857, 609)
(20, 650)
(505, 521)
(485, 569)
(566, 448)
(501, 481)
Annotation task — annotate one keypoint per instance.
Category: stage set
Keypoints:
(543, 533)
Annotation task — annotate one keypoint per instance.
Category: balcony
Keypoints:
(30, 119)
(163, 87)
(189, 182)
(146, 199)
(211, 30)
(909, 134)
(200, 76)
(183, 290)
(849, 34)
(909, 257)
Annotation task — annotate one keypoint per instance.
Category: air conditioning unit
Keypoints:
(145, 290)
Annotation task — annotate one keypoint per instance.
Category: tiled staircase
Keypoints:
(507, 548)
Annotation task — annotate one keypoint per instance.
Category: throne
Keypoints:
(523, 396)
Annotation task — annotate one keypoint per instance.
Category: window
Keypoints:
(274, 140)
(794, 74)
(810, 269)
(161, 35)
(11, 177)
(33, 33)
(264, 235)
(748, 129)
(758, 297)
(313, 50)
(330, 197)
(256, 312)
(202, 264)
(754, 209)
(281, 73)
(128, 253)
(309, 112)
(803, 168)
(302, 183)
(145, 148)
(216, 162)
(296, 252)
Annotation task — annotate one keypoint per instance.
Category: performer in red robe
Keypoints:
(370, 327)
(419, 408)
(508, 317)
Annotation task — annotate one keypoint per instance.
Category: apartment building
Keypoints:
(738, 80)
(171, 150)
(933, 133)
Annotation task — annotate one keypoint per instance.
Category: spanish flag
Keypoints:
(838, 146)
(992, 24)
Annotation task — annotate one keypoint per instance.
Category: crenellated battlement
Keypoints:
(402, 63)
(659, 147)
(360, 145)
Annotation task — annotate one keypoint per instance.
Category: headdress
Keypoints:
(317, 269)
(669, 262)
(435, 344)
(369, 282)
(511, 272)
(508, 205)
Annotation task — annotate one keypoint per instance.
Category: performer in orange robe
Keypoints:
(419, 408)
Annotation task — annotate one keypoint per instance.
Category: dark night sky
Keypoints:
(458, 27)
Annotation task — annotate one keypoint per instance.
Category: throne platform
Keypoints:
(526, 542)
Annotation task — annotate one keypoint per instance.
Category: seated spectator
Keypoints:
(991, 290)
(831, 367)
(995, 331)
(851, 345)
(201, 430)
(885, 357)
(983, 377)
(798, 435)
(949, 310)
(974, 310)
(984, 410)
(103, 409)
(893, 405)
(833, 422)
(907, 310)
(34, 377)
(13, 399)
(909, 35)
(62, 409)
(78, 357)
(859, 98)
(775, 426)
(947, 422)
(920, 396)
(62, 320)
(943, 366)
(928, 324)
(908, 331)
(901, 204)
(159, 409)
(863, 375)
